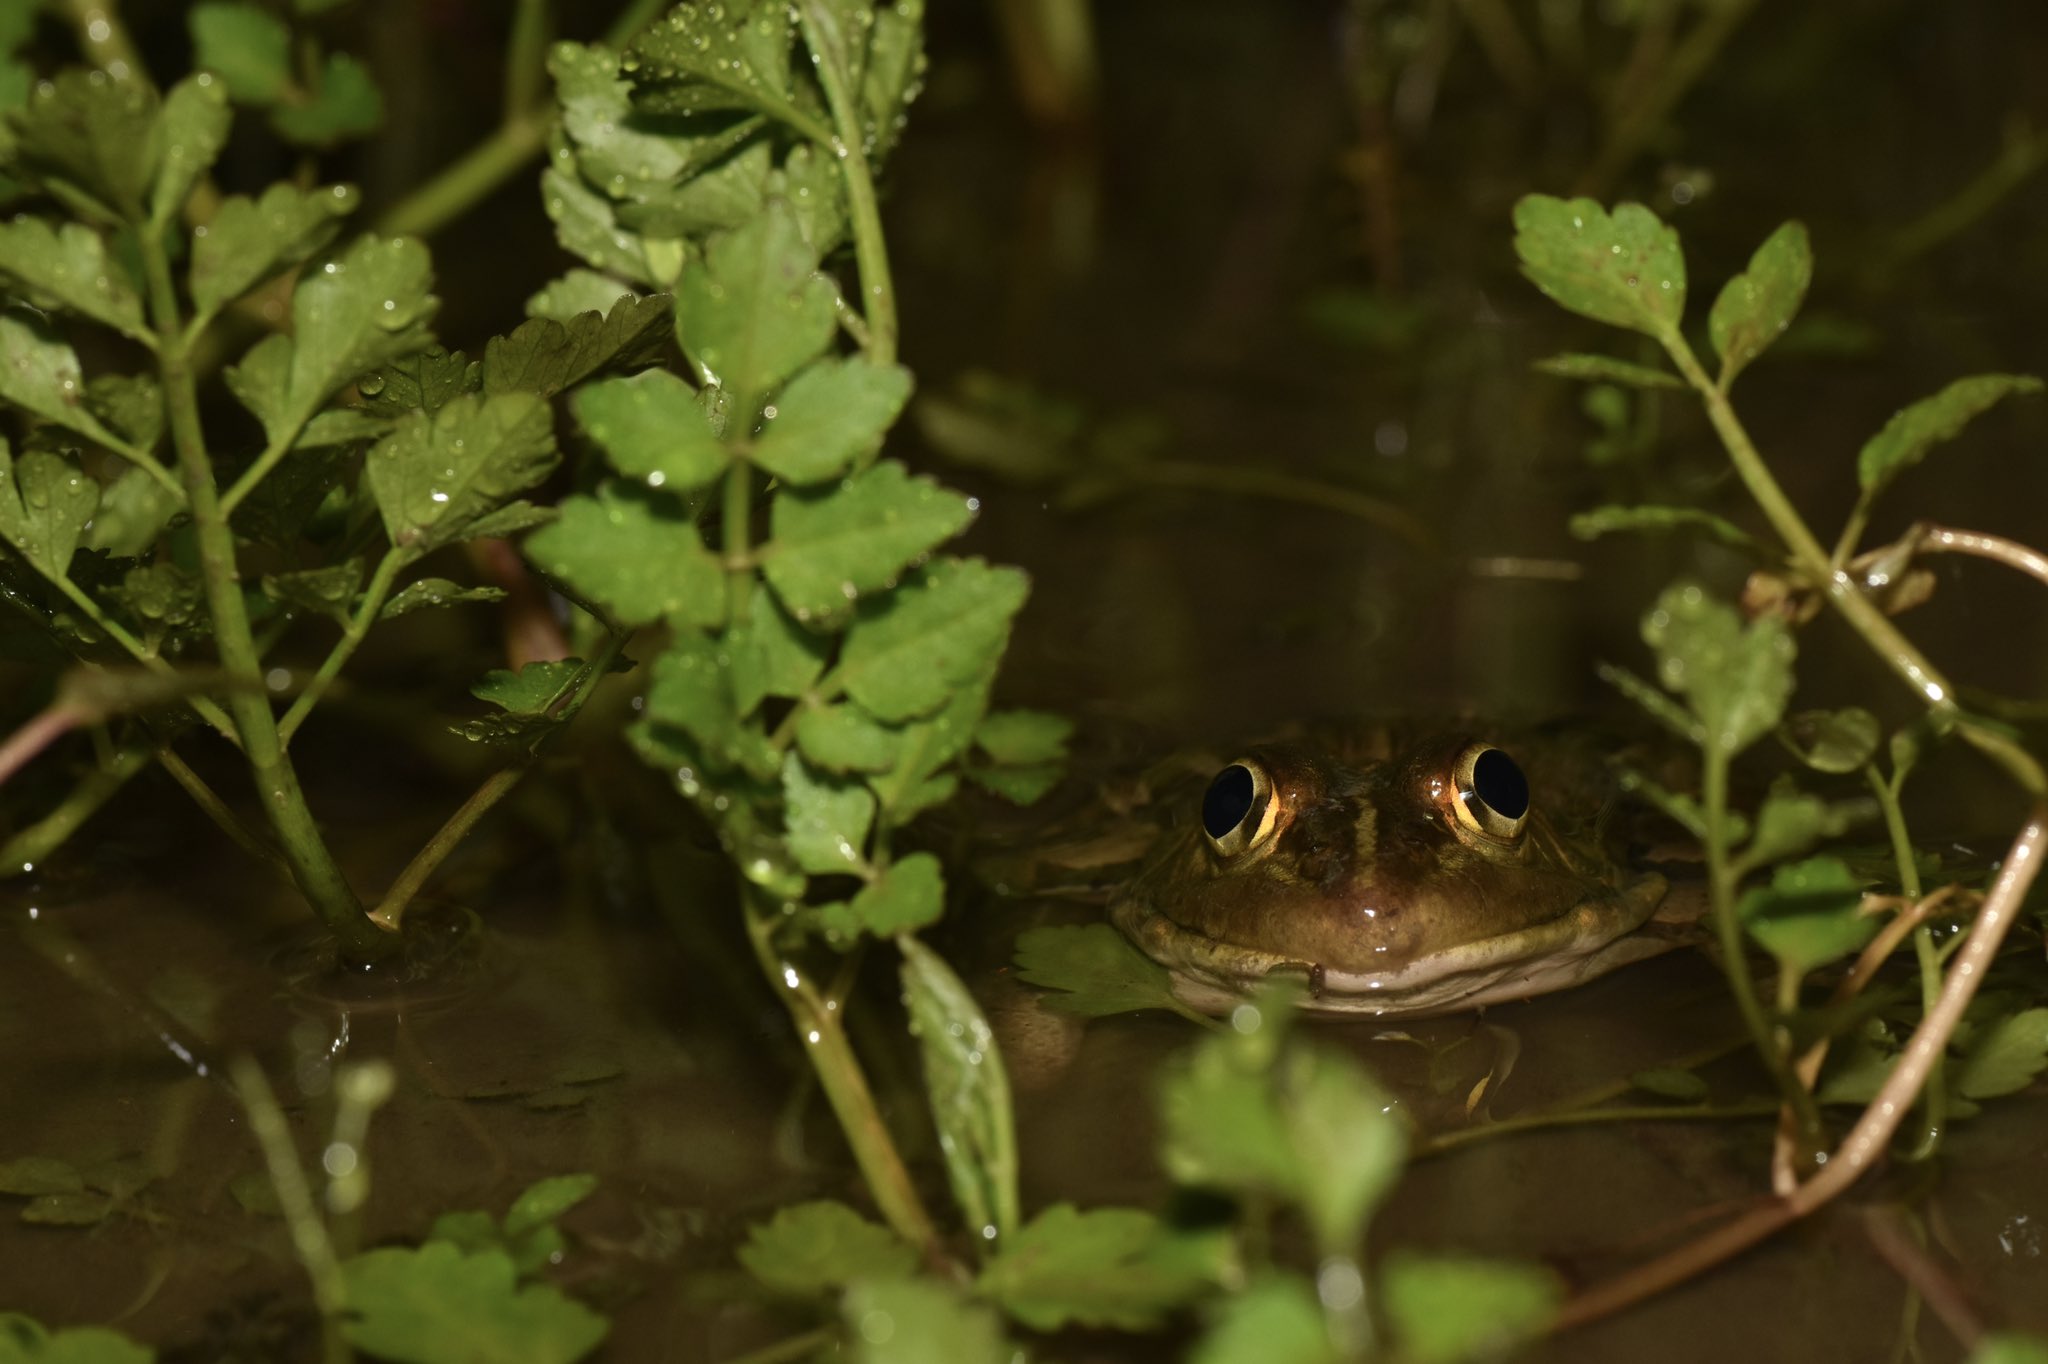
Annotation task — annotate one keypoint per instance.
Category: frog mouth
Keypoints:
(1593, 937)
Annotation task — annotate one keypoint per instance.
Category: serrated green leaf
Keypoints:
(2005, 1056)
(920, 1321)
(913, 782)
(1094, 968)
(1276, 1320)
(1096, 1268)
(1790, 821)
(91, 142)
(329, 591)
(652, 428)
(45, 503)
(1736, 677)
(636, 552)
(1222, 1127)
(1022, 785)
(1024, 736)
(248, 48)
(811, 1249)
(194, 127)
(1447, 1309)
(1658, 520)
(846, 738)
(587, 226)
(281, 507)
(1832, 740)
(249, 240)
(435, 476)
(1915, 430)
(828, 821)
(1809, 916)
(825, 548)
(129, 405)
(39, 373)
(33, 1176)
(351, 314)
(1623, 268)
(434, 1304)
(133, 511)
(544, 356)
(261, 382)
(892, 73)
(67, 266)
(720, 57)
(1346, 1140)
(162, 599)
(424, 382)
(1606, 369)
(431, 592)
(530, 690)
(832, 414)
(754, 310)
(1753, 309)
(23, 1341)
(691, 691)
(965, 1081)
(1667, 712)
(910, 894)
(545, 1200)
(810, 182)
(578, 291)
(344, 104)
(772, 656)
(947, 624)
(467, 1230)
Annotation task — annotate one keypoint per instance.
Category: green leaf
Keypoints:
(1659, 520)
(530, 690)
(719, 57)
(1346, 1141)
(1834, 741)
(39, 373)
(1023, 785)
(1753, 309)
(67, 266)
(68, 1210)
(1024, 736)
(1095, 1269)
(163, 599)
(1276, 1320)
(1607, 369)
(825, 548)
(1623, 268)
(691, 691)
(1222, 1127)
(1736, 677)
(910, 894)
(345, 104)
(1668, 1082)
(755, 309)
(828, 821)
(1791, 821)
(771, 655)
(1658, 704)
(246, 47)
(634, 551)
(282, 505)
(810, 1249)
(435, 476)
(544, 356)
(1095, 969)
(966, 1083)
(892, 73)
(2005, 1056)
(920, 1321)
(249, 240)
(329, 591)
(546, 1200)
(34, 1176)
(1915, 430)
(652, 428)
(913, 782)
(45, 503)
(132, 407)
(468, 1230)
(1810, 914)
(846, 738)
(362, 309)
(91, 142)
(133, 511)
(425, 381)
(194, 127)
(2010, 1347)
(578, 291)
(1449, 1308)
(1682, 808)
(437, 1305)
(430, 592)
(946, 625)
(23, 1341)
(830, 415)
(587, 226)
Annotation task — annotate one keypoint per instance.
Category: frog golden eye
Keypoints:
(1493, 795)
(1238, 810)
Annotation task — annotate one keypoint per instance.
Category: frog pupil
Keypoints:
(1229, 800)
(1500, 783)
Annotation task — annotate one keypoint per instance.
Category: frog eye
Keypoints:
(1493, 795)
(1238, 810)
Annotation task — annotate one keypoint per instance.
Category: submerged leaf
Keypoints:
(434, 1304)
(1623, 268)
(810, 1249)
(1755, 307)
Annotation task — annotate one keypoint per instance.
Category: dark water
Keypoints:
(1162, 264)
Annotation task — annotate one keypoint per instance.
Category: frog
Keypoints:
(1417, 874)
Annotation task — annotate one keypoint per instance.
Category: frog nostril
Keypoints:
(1229, 800)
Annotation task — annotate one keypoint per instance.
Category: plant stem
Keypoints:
(805, 1346)
(849, 145)
(1935, 1099)
(1584, 1117)
(20, 853)
(216, 809)
(352, 635)
(1255, 482)
(104, 39)
(295, 1198)
(44, 728)
(114, 630)
(459, 188)
(526, 57)
(313, 866)
(1633, 127)
(736, 536)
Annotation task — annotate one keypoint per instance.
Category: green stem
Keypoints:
(202, 706)
(1934, 1098)
(1256, 482)
(103, 38)
(294, 1197)
(1466, 1136)
(313, 867)
(526, 57)
(35, 843)
(359, 623)
(458, 189)
(849, 144)
(805, 1346)
(736, 536)
(217, 810)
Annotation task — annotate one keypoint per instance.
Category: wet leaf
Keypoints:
(1659, 520)
(578, 291)
(329, 591)
(967, 1085)
(344, 104)
(1832, 740)
(1094, 968)
(24, 1341)
(544, 356)
(530, 690)
(617, 146)
(719, 57)
(131, 406)
(771, 655)
(194, 127)
(1809, 915)
(39, 373)
(91, 141)
(1790, 821)
(1275, 1320)
(2005, 1056)
(1020, 785)
(587, 226)
(845, 738)
(810, 1249)
(653, 429)
(1756, 307)
(830, 416)
(432, 592)
(282, 505)
(1915, 430)
(754, 310)
(1348, 1145)
(363, 309)
(636, 552)
(546, 1200)
(827, 820)
(920, 1321)
(45, 503)
(426, 381)
(1024, 736)
(162, 599)
(1222, 1126)
(34, 1176)
(435, 1304)
(909, 894)
(828, 547)
(1607, 369)
(691, 691)
(1097, 1268)
(1445, 1309)
(914, 782)
(436, 476)
(892, 73)
(133, 511)
(1737, 677)
(66, 266)
(946, 624)
(249, 240)
(248, 48)
(1623, 268)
